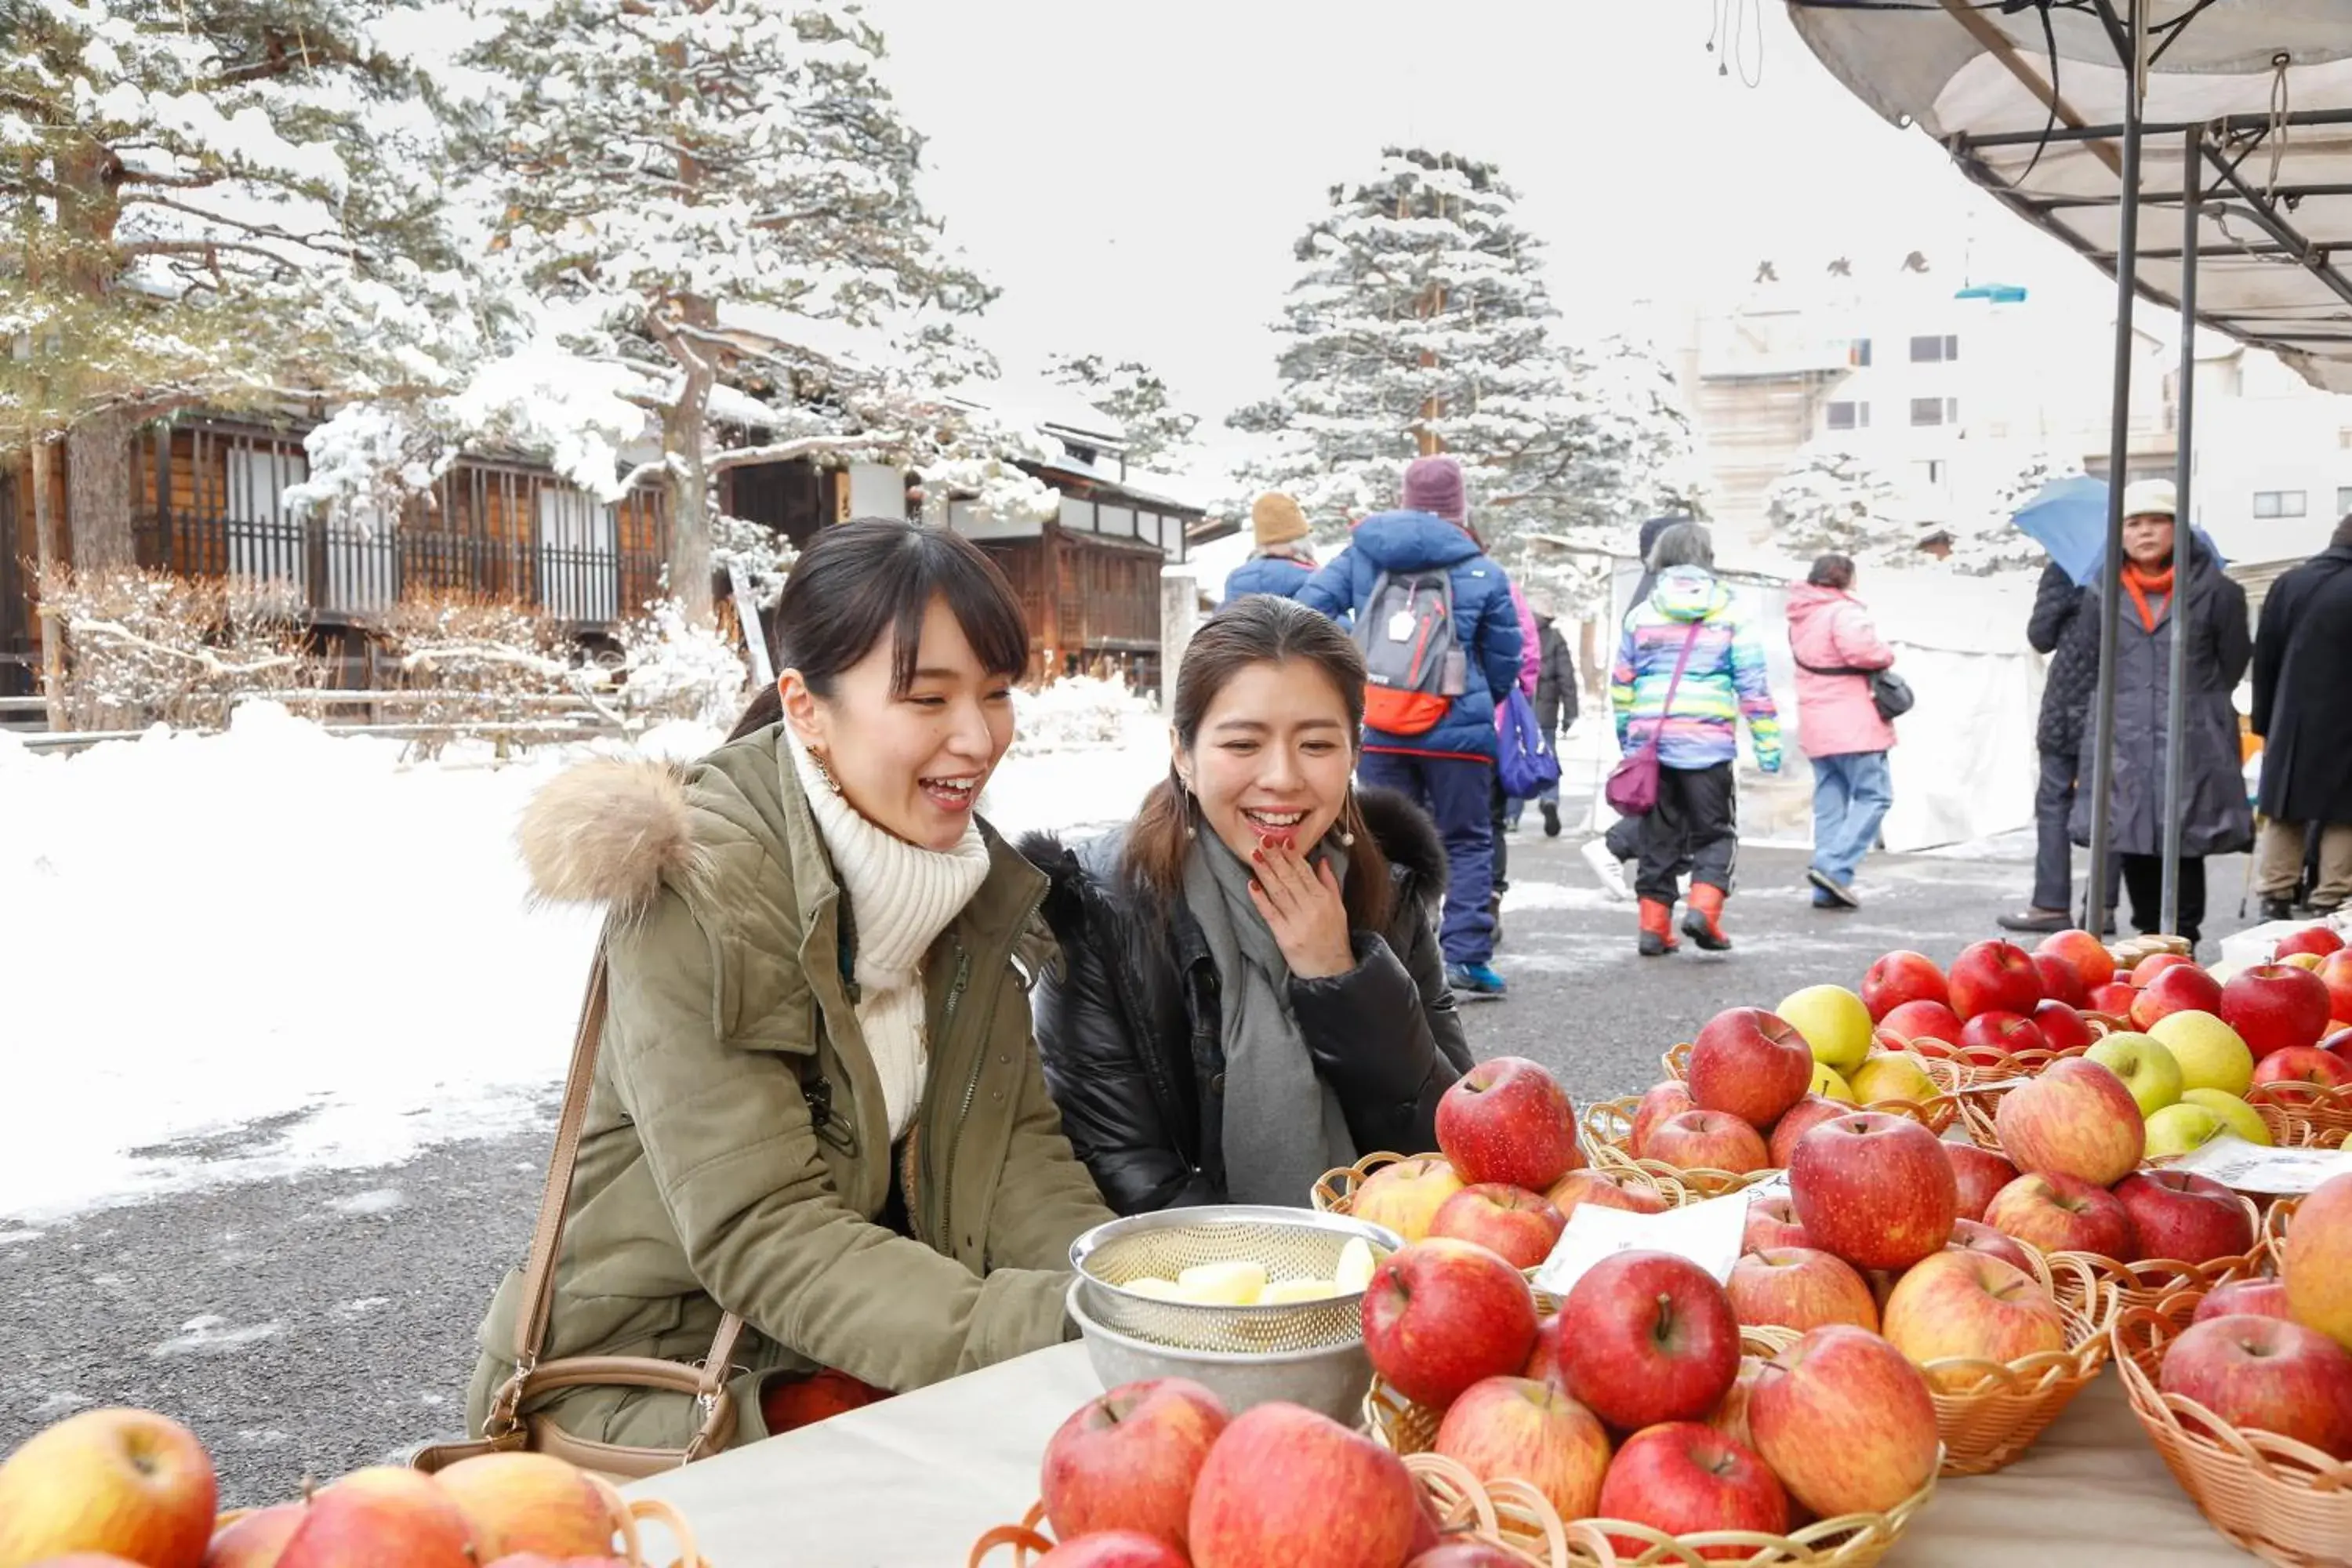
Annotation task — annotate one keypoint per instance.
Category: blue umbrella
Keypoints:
(2068, 517)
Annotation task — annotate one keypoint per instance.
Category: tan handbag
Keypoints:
(507, 1428)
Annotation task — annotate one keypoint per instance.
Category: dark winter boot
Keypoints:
(1657, 928)
(1703, 922)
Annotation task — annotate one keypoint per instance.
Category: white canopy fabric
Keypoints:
(2271, 78)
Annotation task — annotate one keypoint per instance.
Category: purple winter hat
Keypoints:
(1435, 485)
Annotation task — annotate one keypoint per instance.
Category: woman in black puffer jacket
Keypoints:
(1250, 991)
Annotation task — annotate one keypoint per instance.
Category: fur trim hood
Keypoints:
(611, 832)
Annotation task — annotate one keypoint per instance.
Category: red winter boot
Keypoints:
(1657, 928)
(1703, 922)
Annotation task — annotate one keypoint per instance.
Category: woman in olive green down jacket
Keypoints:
(818, 1102)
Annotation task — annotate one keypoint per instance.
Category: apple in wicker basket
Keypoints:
(1682, 1477)
(2266, 1374)
(258, 1539)
(1468, 1555)
(2318, 1260)
(2064, 1213)
(1730, 1416)
(1654, 1340)
(2303, 1065)
(1709, 1140)
(2086, 952)
(2275, 1006)
(1876, 1190)
(1772, 1222)
(1519, 1225)
(2181, 1214)
(128, 1483)
(1109, 1549)
(1975, 1236)
(1508, 1120)
(2248, 1298)
(1406, 1196)
(1977, 1175)
(1441, 1314)
(1899, 977)
(1799, 1288)
(2063, 1026)
(1845, 1421)
(529, 1502)
(1515, 1426)
(2178, 988)
(2061, 981)
(1969, 1305)
(2076, 1118)
(2010, 1034)
(1607, 1189)
(1127, 1460)
(1286, 1488)
(1752, 1064)
(381, 1514)
(1798, 1119)
(1671, 1098)
(1917, 1021)
(1993, 977)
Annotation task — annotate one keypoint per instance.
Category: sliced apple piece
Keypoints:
(1285, 1292)
(1234, 1284)
(1354, 1270)
(1153, 1288)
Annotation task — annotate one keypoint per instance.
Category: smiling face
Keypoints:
(912, 762)
(1272, 757)
(2148, 539)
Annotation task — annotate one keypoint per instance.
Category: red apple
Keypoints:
(2184, 1216)
(2086, 952)
(1874, 1189)
(1607, 1189)
(1109, 1549)
(1968, 1306)
(2061, 1026)
(2115, 1000)
(1975, 1236)
(535, 1503)
(1655, 1340)
(1923, 1020)
(1709, 1140)
(2156, 963)
(2266, 1374)
(2335, 972)
(2319, 939)
(1441, 1314)
(1468, 1555)
(1681, 1479)
(1772, 1222)
(1285, 1487)
(1845, 1421)
(1406, 1196)
(1976, 1174)
(1752, 1064)
(1799, 1288)
(256, 1540)
(1899, 977)
(1127, 1459)
(2064, 1213)
(126, 1483)
(381, 1514)
(2061, 981)
(1730, 1416)
(2075, 1119)
(1671, 1098)
(1519, 1225)
(1508, 1120)
(2008, 1033)
(1543, 1362)
(2178, 988)
(2276, 1008)
(1994, 978)
(2304, 1065)
(2318, 1262)
(1516, 1427)
(2251, 1297)
(1800, 1118)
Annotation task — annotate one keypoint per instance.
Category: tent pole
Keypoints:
(2176, 706)
(2102, 720)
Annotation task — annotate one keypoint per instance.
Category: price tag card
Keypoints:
(1706, 1233)
(1775, 1185)
(2251, 1168)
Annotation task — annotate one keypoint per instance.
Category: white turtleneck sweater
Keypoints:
(900, 897)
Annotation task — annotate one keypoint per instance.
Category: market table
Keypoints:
(912, 1482)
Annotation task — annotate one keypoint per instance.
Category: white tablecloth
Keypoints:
(913, 1481)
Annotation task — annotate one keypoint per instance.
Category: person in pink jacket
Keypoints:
(1835, 647)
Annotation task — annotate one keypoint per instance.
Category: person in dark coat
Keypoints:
(1249, 991)
(2215, 819)
(1555, 703)
(2302, 711)
(1283, 561)
(2059, 628)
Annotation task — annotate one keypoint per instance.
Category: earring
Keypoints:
(1347, 813)
(1184, 787)
(826, 773)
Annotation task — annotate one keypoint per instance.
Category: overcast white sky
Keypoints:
(1134, 174)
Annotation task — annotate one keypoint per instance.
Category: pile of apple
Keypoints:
(129, 1489)
(2275, 1355)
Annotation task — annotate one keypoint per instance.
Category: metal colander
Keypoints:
(1293, 1243)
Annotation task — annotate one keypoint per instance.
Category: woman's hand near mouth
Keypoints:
(1302, 907)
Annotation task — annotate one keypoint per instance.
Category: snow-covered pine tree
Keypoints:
(217, 203)
(1832, 501)
(1988, 541)
(1157, 431)
(656, 158)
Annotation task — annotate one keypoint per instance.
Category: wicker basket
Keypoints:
(627, 1514)
(1997, 1418)
(2276, 1498)
(2273, 1243)
(2155, 1280)
(1936, 1114)
(2303, 1116)
(1335, 1192)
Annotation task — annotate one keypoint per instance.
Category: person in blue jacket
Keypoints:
(1283, 561)
(1450, 768)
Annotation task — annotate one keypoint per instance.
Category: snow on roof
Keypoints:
(1047, 404)
(834, 340)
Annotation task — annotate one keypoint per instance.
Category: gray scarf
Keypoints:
(1283, 1125)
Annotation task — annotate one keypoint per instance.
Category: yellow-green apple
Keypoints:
(1845, 1421)
(1875, 1190)
(2075, 1119)
(2178, 988)
(1519, 1225)
(1127, 1459)
(1441, 1314)
(2300, 1069)
(2184, 1216)
(1895, 978)
(2056, 1212)
(1772, 1222)
(1894, 1075)
(2063, 1027)
(1799, 1288)
(1975, 1236)
(2236, 1115)
(2318, 1260)
(2147, 1069)
(1925, 1020)
(529, 1502)
(1800, 1118)
(383, 1514)
(1508, 1119)
(1607, 1189)
(1655, 1340)
(2086, 952)
(1286, 1488)
(1970, 1306)
(1682, 1477)
(2209, 1052)
(1709, 1140)
(1406, 1196)
(1671, 1098)
(2061, 981)
(2267, 1375)
(1833, 1022)
(1998, 1033)
(1993, 977)
(2335, 972)
(128, 1483)
(253, 1539)
(1828, 1084)
(1976, 1174)
(1520, 1429)
(1750, 1064)
(1108, 1549)
(2114, 1002)
(2316, 937)
(2275, 1006)
(2264, 1298)
(2156, 963)
(2178, 1128)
